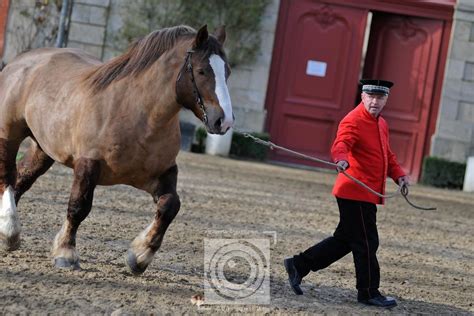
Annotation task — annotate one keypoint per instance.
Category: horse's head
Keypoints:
(201, 85)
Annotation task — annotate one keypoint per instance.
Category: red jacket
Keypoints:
(362, 141)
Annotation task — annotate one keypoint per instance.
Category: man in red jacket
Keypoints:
(362, 150)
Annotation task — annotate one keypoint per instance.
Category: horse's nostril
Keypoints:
(218, 123)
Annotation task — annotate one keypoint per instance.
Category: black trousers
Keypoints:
(356, 233)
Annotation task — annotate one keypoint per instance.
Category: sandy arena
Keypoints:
(426, 257)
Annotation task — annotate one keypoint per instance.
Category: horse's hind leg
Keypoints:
(86, 174)
(31, 166)
(9, 222)
(145, 245)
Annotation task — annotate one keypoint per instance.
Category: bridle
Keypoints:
(188, 67)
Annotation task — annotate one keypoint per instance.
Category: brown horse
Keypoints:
(112, 123)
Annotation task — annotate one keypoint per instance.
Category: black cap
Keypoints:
(376, 86)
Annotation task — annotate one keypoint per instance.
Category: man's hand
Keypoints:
(403, 181)
(342, 165)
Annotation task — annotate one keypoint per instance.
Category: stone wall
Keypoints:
(248, 84)
(16, 24)
(115, 22)
(88, 26)
(454, 136)
(29, 26)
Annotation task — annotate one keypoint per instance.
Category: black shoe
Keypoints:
(293, 276)
(380, 301)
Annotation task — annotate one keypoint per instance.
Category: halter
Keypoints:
(188, 67)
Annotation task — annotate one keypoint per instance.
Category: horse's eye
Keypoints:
(201, 72)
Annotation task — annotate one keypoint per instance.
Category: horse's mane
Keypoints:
(139, 56)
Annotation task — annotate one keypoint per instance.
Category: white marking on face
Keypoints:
(222, 92)
(9, 223)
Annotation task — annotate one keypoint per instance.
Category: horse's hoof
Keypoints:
(64, 263)
(11, 243)
(135, 268)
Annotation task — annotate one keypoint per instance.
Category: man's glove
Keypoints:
(402, 181)
(342, 165)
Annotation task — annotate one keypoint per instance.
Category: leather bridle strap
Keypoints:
(188, 67)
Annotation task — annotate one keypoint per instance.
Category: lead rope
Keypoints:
(403, 190)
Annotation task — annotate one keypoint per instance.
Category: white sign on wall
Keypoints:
(316, 68)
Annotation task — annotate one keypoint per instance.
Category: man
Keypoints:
(362, 150)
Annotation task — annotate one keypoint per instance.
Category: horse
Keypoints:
(113, 123)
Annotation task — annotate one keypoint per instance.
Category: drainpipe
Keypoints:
(63, 20)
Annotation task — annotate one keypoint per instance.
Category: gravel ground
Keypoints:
(426, 258)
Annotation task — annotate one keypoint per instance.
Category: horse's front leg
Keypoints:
(86, 174)
(145, 245)
(9, 221)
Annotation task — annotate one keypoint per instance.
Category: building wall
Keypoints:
(117, 11)
(248, 84)
(88, 26)
(22, 33)
(19, 29)
(11, 46)
(454, 136)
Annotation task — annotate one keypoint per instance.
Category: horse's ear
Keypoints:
(220, 34)
(201, 37)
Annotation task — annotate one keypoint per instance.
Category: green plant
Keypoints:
(246, 148)
(443, 173)
(200, 145)
(241, 18)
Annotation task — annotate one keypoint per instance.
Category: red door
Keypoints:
(315, 70)
(4, 4)
(405, 50)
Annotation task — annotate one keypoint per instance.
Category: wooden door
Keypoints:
(314, 75)
(405, 50)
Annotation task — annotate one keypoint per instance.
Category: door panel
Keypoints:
(317, 76)
(405, 50)
(294, 125)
